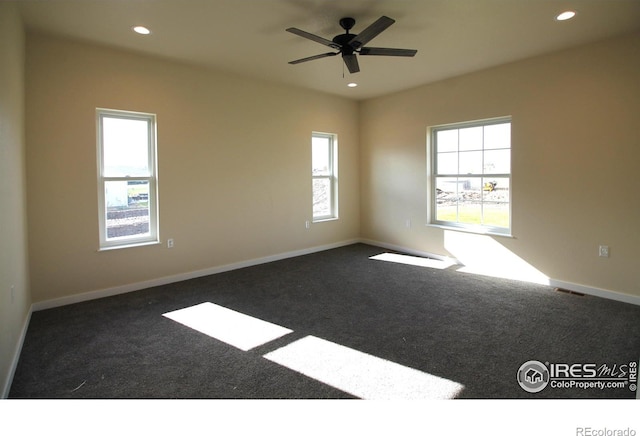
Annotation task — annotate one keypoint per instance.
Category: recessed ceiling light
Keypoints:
(352, 85)
(566, 15)
(141, 30)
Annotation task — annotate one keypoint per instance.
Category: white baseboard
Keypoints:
(108, 292)
(16, 355)
(117, 290)
(583, 289)
(596, 292)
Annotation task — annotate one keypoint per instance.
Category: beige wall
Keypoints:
(14, 306)
(234, 166)
(575, 163)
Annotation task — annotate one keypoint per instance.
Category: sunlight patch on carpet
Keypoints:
(484, 255)
(413, 260)
(361, 374)
(234, 328)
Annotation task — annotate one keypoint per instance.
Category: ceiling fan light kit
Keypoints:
(348, 44)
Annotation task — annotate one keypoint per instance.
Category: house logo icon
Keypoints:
(533, 376)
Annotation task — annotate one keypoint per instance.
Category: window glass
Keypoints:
(497, 136)
(127, 208)
(324, 177)
(447, 140)
(448, 163)
(470, 162)
(497, 161)
(321, 197)
(125, 147)
(127, 178)
(471, 183)
(321, 158)
(470, 138)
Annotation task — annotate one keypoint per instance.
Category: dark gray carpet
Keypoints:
(471, 329)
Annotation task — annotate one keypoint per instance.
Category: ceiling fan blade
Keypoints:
(381, 51)
(313, 37)
(351, 62)
(371, 32)
(311, 58)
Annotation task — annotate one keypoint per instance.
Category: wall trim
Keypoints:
(109, 292)
(117, 290)
(16, 355)
(596, 292)
(583, 289)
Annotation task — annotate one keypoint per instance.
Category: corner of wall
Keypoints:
(15, 294)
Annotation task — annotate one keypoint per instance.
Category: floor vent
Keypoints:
(567, 291)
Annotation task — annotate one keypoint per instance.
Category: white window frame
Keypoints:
(433, 174)
(128, 241)
(332, 176)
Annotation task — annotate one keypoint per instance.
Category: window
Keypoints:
(127, 181)
(471, 176)
(324, 176)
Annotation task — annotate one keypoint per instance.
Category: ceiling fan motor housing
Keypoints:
(343, 40)
(347, 23)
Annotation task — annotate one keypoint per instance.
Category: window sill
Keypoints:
(322, 220)
(476, 231)
(131, 245)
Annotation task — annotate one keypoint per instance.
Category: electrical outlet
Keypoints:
(603, 251)
(169, 243)
(13, 293)
(307, 225)
(407, 223)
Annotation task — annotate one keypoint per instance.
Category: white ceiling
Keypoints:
(248, 37)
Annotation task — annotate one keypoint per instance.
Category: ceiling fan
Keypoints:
(349, 44)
